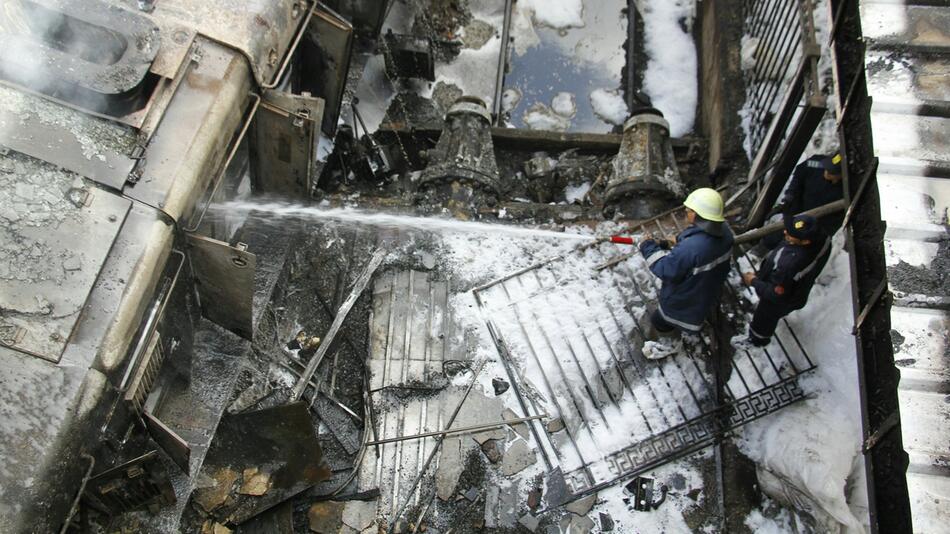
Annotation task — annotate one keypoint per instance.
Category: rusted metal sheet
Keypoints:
(224, 276)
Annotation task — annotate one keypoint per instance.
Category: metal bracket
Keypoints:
(892, 421)
(873, 301)
(860, 192)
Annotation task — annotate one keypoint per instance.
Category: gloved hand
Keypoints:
(665, 244)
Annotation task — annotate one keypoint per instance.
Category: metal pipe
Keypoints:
(151, 324)
(358, 288)
(460, 430)
(82, 489)
(502, 61)
(227, 162)
(293, 48)
(820, 211)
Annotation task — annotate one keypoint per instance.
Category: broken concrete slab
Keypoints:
(359, 515)
(580, 525)
(451, 464)
(518, 457)
(521, 428)
(326, 517)
(534, 499)
(606, 522)
(496, 433)
(582, 506)
(213, 527)
(555, 425)
(529, 522)
(556, 491)
(501, 502)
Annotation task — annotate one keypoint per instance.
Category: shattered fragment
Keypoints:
(256, 482)
(499, 385)
(517, 458)
(213, 496)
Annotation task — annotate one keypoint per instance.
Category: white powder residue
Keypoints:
(558, 14)
(564, 105)
(813, 444)
(510, 98)
(575, 193)
(609, 106)
(670, 78)
(541, 117)
(781, 524)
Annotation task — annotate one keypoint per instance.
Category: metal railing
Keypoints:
(783, 32)
(575, 350)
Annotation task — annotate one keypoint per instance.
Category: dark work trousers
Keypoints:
(764, 321)
(660, 323)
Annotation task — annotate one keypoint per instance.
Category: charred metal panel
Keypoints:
(286, 134)
(135, 485)
(886, 461)
(174, 446)
(273, 450)
(89, 146)
(52, 251)
(367, 16)
(92, 54)
(225, 279)
(186, 150)
(262, 30)
(324, 63)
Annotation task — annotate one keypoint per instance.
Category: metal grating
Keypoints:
(778, 31)
(146, 374)
(569, 331)
(140, 483)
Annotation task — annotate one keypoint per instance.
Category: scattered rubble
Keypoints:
(518, 457)
(499, 385)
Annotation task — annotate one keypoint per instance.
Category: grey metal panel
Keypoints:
(333, 37)
(188, 145)
(225, 279)
(177, 448)
(134, 39)
(90, 146)
(286, 133)
(261, 29)
(53, 243)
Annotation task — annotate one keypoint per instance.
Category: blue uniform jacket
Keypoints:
(809, 189)
(692, 273)
(788, 272)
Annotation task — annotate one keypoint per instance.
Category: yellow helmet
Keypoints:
(707, 203)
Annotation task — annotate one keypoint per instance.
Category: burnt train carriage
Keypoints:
(120, 121)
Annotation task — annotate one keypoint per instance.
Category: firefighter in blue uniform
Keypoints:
(815, 182)
(692, 268)
(786, 276)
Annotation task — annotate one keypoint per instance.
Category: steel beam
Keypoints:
(798, 139)
(885, 463)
